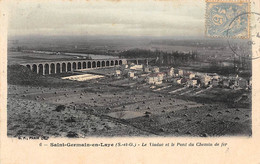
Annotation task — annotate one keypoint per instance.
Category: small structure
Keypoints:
(191, 75)
(131, 74)
(178, 81)
(117, 73)
(158, 83)
(205, 80)
(136, 67)
(124, 66)
(180, 72)
(150, 80)
(170, 72)
(199, 74)
(192, 82)
(217, 77)
(250, 83)
(146, 69)
(156, 69)
(241, 83)
(215, 83)
(155, 78)
(160, 76)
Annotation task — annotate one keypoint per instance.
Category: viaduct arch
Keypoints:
(46, 68)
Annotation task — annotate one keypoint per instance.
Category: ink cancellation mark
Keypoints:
(253, 43)
(219, 15)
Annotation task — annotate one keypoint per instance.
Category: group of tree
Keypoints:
(174, 58)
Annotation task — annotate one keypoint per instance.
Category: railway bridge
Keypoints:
(50, 67)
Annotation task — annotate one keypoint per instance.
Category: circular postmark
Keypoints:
(247, 48)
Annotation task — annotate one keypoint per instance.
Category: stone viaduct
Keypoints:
(49, 67)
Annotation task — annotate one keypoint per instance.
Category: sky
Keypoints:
(111, 18)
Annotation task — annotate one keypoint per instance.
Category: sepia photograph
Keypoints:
(121, 69)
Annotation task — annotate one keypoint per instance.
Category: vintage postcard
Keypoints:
(129, 81)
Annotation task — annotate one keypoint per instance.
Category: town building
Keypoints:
(192, 82)
(178, 81)
(215, 83)
(160, 76)
(241, 83)
(124, 66)
(136, 67)
(180, 72)
(217, 77)
(155, 78)
(146, 69)
(131, 74)
(158, 83)
(205, 80)
(191, 75)
(151, 80)
(170, 72)
(117, 73)
(156, 69)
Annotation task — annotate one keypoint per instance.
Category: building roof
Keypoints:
(157, 74)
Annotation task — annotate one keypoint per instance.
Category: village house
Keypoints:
(146, 69)
(250, 83)
(241, 83)
(180, 72)
(158, 83)
(191, 75)
(124, 66)
(170, 72)
(155, 78)
(150, 80)
(205, 80)
(156, 69)
(215, 82)
(199, 74)
(192, 82)
(131, 74)
(178, 81)
(217, 77)
(160, 75)
(136, 67)
(214, 76)
(117, 73)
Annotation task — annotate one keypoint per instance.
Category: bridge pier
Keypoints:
(43, 70)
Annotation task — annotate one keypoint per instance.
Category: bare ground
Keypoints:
(102, 109)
